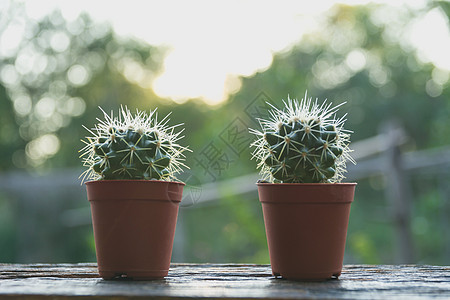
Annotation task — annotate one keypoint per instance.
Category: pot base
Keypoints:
(314, 277)
(134, 275)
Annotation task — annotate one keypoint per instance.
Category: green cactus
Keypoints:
(304, 143)
(132, 147)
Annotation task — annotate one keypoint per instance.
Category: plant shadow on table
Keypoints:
(281, 283)
(130, 282)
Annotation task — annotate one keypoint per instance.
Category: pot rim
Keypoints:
(306, 193)
(304, 184)
(132, 180)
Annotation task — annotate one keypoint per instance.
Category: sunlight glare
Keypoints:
(426, 34)
(213, 41)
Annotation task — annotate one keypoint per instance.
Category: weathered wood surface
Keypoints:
(231, 281)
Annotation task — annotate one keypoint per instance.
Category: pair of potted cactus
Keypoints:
(301, 150)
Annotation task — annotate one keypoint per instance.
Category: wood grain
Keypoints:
(230, 281)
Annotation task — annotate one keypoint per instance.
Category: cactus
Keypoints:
(132, 147)
(303, 143)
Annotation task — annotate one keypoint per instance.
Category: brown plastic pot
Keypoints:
(306, 227)
(134, 225)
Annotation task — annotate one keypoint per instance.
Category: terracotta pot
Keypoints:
(134, 225)
(306, 228)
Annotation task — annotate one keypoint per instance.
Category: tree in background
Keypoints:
(52, 81)
(54, 78)
(360, 55)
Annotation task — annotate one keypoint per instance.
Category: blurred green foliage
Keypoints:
(358, 57)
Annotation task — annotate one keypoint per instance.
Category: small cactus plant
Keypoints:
(132, 147)
(303, 143)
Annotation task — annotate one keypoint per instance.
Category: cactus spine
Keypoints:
(132, 147)
(302, 143)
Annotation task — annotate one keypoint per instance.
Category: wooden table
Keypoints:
(230, 281)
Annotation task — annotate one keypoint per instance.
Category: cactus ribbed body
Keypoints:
(302, 152)
(136, 148)
(131, 155)
(303, 143)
